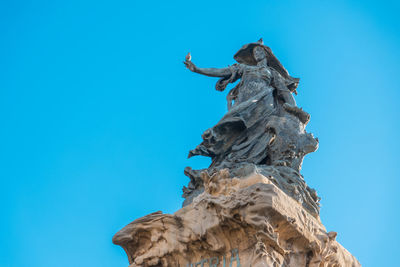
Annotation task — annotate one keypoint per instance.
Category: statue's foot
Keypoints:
(303, 116)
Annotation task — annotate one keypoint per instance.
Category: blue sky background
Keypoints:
(98, 113)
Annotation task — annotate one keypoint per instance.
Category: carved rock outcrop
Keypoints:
(234, 222)
(287, 179)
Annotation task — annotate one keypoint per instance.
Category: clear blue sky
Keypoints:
(98, 113)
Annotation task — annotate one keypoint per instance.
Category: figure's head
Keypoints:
(259, 53)
(252, 53)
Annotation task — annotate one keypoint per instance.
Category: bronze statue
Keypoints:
(263, 126)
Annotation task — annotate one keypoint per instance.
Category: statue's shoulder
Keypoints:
(238, 67)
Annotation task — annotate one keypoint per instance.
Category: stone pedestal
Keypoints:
(246, 221)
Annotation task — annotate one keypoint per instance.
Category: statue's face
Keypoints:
(259, 53)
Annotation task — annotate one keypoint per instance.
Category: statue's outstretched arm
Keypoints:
(212, 72)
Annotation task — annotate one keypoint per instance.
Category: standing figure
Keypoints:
(263, 126)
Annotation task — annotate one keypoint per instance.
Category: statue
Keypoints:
(251, 206)
(263, 127)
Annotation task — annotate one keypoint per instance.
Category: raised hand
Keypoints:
(190, 65)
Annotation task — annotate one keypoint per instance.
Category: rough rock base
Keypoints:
(234, 222)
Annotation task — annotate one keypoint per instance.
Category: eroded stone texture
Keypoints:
(234, 222)
(286, 178)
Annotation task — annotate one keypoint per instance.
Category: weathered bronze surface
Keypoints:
(263, 128)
